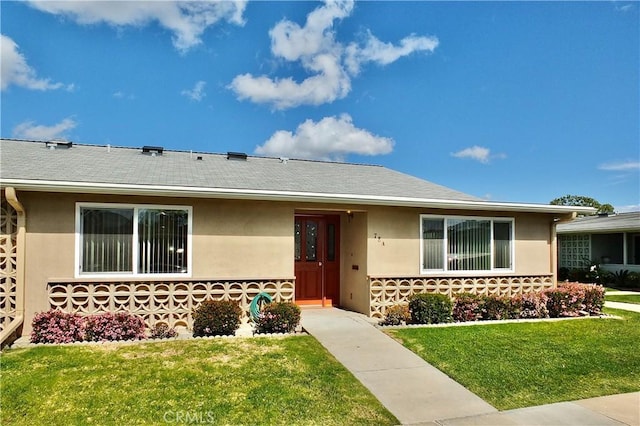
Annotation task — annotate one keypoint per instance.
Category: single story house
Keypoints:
(90, 228)
(612, 241)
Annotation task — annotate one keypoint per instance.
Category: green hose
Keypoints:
(260, 300)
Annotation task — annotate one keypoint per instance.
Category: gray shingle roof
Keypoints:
(116, 165)
(614, 223)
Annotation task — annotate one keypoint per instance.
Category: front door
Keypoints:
(317, 259)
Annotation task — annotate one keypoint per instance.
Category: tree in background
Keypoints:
(581, 201)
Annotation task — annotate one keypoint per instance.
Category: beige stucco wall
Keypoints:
(354, 286)
(394, 241)
(231, 239)
(249, 239)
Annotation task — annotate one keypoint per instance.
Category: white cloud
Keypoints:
(621, 166)
(478, 153)
(197, 93)
(31, 131)
(331, 138)
(329, 63)
(187, 20)
(386, 53)
(16, 71)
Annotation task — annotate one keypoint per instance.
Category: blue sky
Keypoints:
(508, 101)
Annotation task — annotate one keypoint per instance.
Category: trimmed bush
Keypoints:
(216, 318)
(396, 315)
(564, 301)
(533, 305)
(430, 308)
(57, 327)
(111, 327)
(278, 317)
(500, 307)
(163, 331)
(632, 280)
(593, 300)
(467, 307)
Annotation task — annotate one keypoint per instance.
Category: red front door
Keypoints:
(317, 259)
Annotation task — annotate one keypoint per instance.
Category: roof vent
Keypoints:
(54, 144)
(236, 156)
(152, 150)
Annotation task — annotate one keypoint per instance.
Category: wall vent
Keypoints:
(236, 156)
(55, 144)
(152, 150)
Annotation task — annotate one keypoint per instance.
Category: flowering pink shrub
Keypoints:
(57, 327)
(162, 331)
(118, 326)
(280, 317)
(565, 301)
(533, 305)
(467, 307)
(593, 301)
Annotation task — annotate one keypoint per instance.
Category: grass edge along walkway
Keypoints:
(525, 364)
(289, 380)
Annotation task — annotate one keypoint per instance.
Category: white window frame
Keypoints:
(136, 208)
(446, 218)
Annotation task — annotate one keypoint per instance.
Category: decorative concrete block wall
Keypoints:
(8, 263)
(167, 302)
(386, 292)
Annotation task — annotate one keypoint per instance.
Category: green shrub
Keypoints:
(500, 307)
(278, 317)
(216, 318)
(467, 307)
(632, 280)
(430, 308)
(162, 331)
(396, 315)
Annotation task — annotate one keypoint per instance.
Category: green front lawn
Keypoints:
(625, 298)
(291, 380)
(525, 364)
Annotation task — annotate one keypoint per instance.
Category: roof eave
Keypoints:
(255, 194)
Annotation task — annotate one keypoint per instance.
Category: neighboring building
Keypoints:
(99, 228)
(612, 241)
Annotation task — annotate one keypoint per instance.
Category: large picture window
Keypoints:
(466, 244)
(136, 240)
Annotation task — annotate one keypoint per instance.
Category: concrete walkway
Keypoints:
(625, 306)
(412, 390)
(418, 393)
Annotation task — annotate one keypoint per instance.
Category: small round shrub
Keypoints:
(430, 308)
(162, 331)
(216, 318)
(500, 307)
(55, 326)
(467, 307)
(114, 326)
(396, 315)
(278, 317)
(533, 305)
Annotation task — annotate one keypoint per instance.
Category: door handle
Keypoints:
(319, 263)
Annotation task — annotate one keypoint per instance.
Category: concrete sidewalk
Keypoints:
(411, 389)
(418, 393)
(624, 306)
